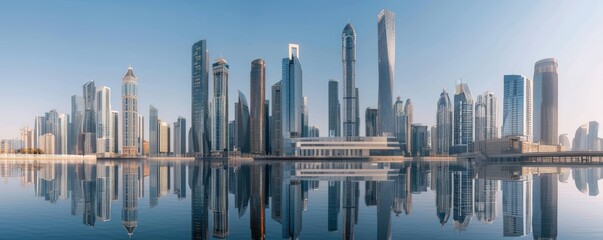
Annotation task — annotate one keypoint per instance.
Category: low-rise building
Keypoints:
(345, 147)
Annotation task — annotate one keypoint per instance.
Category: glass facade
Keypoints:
(220, 120)
(386, 38)
(350, 101)
(199, 99)
(546, 114)
(517, 107)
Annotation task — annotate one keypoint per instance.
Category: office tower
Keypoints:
(313, 132)
(334, 201)
(357, 100)
(242, 124)
(232, 132)
(386, 38)
(139, 138)
(593, 136)
(115, 130)
(486, 195)
(257, 211)
(180, 137)
(89, 127)
(334, 110)
(276, 123)
(370, 122)
(220, 121)
(163, 138)
(131, 121)
(130, 182)
(432, 138)
(545, 206)
(104, 140)
(77, 122)
(305, 117)
(63, 133)
(257, 96)
(400, 121)
(27, 138)
(39, 129)
(46, 143)
(564, 142)
(517, 107)
(408, 111)
(420, 140)
(350, 103)
(291, 97)
(52, 126)
(580, 142)
(267, 128)
(444, 125)
(200, 134)
(486, 117)
(545, 101)
(463, 118)
(517, 206)
(153, 131)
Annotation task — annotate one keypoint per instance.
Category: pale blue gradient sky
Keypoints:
(49, 49)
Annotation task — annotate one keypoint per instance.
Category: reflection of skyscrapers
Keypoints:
(350, 195)
(486, 195)
(219, 201)
(517, 206)
(443, 191)
(257, 210)
(104, 187)
(386, 38)
(462, 201)
(130, 182)
(291, 219)
(180, 180)
(199, 176)
(334, 191)
(545, 206)
(89, 186)
(384, 208)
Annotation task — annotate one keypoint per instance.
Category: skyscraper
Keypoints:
(104, 140)
(486, 117)
(546, 101)
(580, 142)
(593, 136)
(131, 120)
(163, 138)
(305, 118)
(180, 137)
(420, 140)
(220, 137)
(77, 121)
(63, 133)
(292, 97)
(517, 108)
(139, 138)
(444, 125)
(257, 95)
(276, 123)
(89, 138)
(39, 129)
(153, 131)
(400, 121)
(242, 124)
(348, 55)
(199, 106)
(334, 110)
(386, 37)
(463, 118)
(371, 117)
(115, 130)
(565, 142)
(409, 112)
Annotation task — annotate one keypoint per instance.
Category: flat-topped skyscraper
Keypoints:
(257, 95)
(334, 109)
(386, 40)
(546, 114)
(200, 133)
(517, 107)
(292, 96)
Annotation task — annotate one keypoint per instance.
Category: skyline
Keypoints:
(321, 60)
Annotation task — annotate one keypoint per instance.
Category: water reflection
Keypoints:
(463, 191)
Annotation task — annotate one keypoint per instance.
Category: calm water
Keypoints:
(306, 200)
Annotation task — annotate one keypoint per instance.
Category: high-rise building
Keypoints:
(463, 118)
(546, 101)
(27, 138)
(164, 138)
(350, 107)
(115, 130)
(180, 137)
(52, 126)
(409, 112)
(357, 99)
(89, 127)
(313, 132)
(140, 136)
(153, 131)
(131, 121)
(39, 129)
(104, 140)
(232, 131)
(242, 124)
(77, 122)
(443, 134)
(580, 142)
(370, 122)
(486, 117)
(386, 40)
(267, 128)
(47, 143)
(305, 118)
(257, 96)
(220, 121)
(565, 143)
(63, 133)
(420, 140)
(334, 109)
(200, 133)
(291, 97)
(517, 107)
(276, 122)
(400, 121)
(593, 136)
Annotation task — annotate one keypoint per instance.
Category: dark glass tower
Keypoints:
(199, 101)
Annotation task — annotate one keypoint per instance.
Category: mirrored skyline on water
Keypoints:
(298, 200)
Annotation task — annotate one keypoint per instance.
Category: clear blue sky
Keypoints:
(49, 49)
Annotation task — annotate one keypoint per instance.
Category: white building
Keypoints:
(345, 147)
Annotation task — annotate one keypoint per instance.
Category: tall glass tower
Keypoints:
(153, 131)
(276, 122)
(220, 137)
(334, 109)
(130, 117)
(89, 138)
(348, 55)
(199, 101)
(546, 101)
(444, 125)
(486, 117)
(386, 30)
(463, 118)
(104, 129)
(257, 96)
(517, 107)
(292, 97)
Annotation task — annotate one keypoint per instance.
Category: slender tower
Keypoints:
(220, 137)
(292, 97)
(348, 54)
(546, 101)
(199, 102)
(334, 110)
(257, 96)
(129, 117)
(386, 30)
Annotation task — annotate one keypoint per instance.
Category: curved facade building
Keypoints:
(200, 133)
(386, 40)
(242, 121)
(444, 125)
(348, 55)
(546, 101)
(257, 95)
